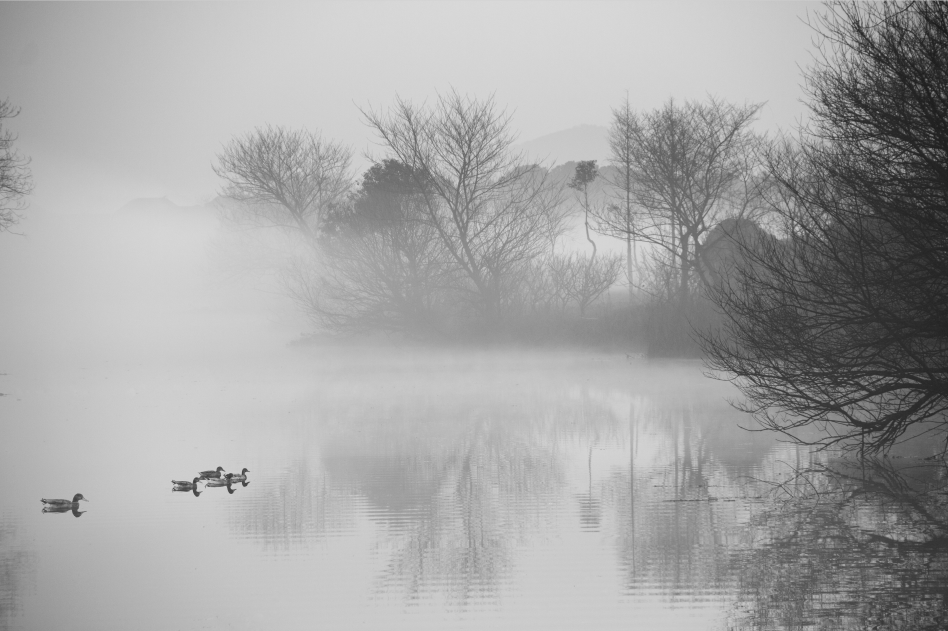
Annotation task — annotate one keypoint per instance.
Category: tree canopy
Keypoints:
(285, 178)
(843, 322)
(15, 179)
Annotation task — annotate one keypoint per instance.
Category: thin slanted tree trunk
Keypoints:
(588, 238)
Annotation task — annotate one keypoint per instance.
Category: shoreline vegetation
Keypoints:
(458, 237)
(808, 270)
(642, 331)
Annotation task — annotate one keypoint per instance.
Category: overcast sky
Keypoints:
(131, 100)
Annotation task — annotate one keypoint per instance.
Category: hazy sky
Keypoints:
(133, 100)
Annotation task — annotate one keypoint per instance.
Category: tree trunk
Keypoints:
(685, 268)
(628, 238)
(628, 262)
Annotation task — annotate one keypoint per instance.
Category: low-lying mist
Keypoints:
(139, 285)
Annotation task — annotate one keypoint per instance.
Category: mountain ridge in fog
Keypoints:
(562, 149)
(162, 206)
(582, 142)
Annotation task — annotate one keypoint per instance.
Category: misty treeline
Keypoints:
(454, 234)
(15, 179)
(811, 269)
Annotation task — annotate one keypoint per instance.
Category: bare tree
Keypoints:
(492, 211)
(285, 178)
(843, 323)
(591, 278)
(619, 219)
(686, 168)
(15, 179)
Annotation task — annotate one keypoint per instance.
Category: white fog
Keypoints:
(472, 315)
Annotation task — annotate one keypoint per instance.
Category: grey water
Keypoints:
(400, 486)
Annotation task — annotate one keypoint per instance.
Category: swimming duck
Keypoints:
(67, 504)
(211, 474)
(238, 477)
(184, 485)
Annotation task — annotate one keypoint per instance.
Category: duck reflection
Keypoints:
(184, 486)
(64, 509)
(221, 482)
(238, 477)
(193, 491)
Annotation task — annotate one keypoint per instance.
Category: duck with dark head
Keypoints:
(212, 474)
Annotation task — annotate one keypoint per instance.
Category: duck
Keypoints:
(238, 477)
(64, 504)
(184, 485)
(205, 475)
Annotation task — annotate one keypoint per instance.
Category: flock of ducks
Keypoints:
(216, 477)
(213, 478)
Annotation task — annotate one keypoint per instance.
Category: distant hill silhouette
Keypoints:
(583, 142)
(162, 207)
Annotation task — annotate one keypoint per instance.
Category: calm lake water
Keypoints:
(426, 489)
(409, 488)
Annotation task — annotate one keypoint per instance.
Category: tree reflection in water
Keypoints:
(16, 567)
(457, 486)
(680, 503)
(294, 510)
(848, 544)
(451, 483)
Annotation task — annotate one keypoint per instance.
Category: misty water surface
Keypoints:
(405, 487)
